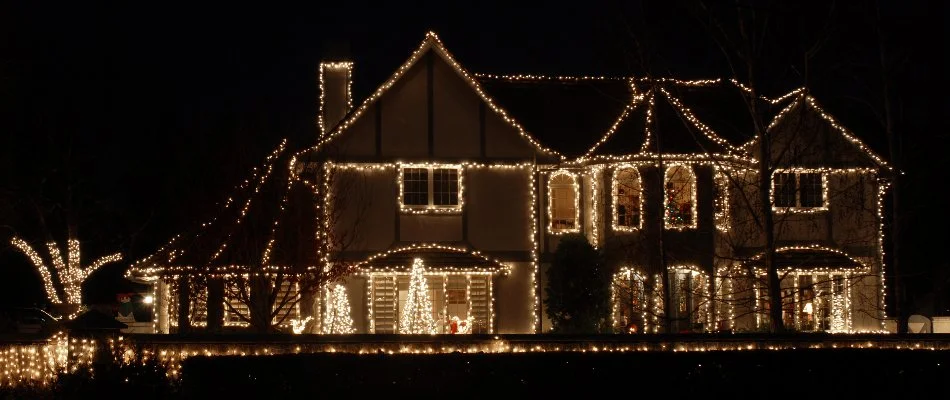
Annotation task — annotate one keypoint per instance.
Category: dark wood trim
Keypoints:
(431, 101)
(481, 129)
(379, 128)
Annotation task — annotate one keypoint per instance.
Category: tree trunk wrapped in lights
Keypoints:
(337, 320)
(416, 317)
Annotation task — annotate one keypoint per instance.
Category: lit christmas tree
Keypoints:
(337, 320)
(417, 315)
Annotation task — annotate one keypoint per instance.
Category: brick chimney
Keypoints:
(335, 96)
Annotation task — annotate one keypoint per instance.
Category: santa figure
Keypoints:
(125, 311)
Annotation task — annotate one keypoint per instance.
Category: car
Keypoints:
(27, 320)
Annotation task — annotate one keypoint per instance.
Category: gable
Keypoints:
(431, 108)
(805, 135)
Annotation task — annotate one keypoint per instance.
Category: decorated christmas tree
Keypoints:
(417, 314)
(337, 320)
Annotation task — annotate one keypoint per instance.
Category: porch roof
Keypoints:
(809, 258)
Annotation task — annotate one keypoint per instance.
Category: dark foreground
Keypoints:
(802, 373)
(833, 373)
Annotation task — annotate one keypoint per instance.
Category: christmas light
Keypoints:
(337, 319)
(626, 178)
(334, 66)
(70, 273)
(566, 183)
(674, 186)
(298, 325)
(416, 317)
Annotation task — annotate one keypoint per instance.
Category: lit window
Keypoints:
(626, 199)
(430, 189)
(799, 191)
(680, 204)
(562, 192)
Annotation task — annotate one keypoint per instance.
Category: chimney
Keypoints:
(335, 97)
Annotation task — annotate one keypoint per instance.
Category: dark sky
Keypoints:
(151, 111)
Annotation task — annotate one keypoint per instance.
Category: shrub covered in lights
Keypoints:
(578, 288)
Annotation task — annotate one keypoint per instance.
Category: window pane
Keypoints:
(810, 190)
(784, 190)
(415, 187)
(445, 186)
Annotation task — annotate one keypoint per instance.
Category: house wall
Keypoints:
(431, 115)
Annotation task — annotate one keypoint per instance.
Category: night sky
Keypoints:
(151, 111)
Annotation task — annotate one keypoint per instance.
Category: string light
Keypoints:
(634, 177)
(574, 226)
(337, 320)
(70, 273)
(671, 171)
(432, 42)
(416, 317)
(346, 67)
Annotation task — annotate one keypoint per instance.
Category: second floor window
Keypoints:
(680, 202)
(626, 199)
(562, 206)
(436, 189)
(798, 190)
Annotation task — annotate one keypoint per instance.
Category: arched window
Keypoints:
(627, 197)
(680, 204)
(562, 204)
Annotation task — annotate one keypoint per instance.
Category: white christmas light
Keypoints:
(416, 317)
(337, 320)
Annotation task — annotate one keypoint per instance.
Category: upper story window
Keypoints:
(799, 191)
(428, 188)
(680, 197)
(562, 204)
(627, 199)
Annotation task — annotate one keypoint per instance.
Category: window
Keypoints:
(630, 308)
(626, 199)
(690, 299)
(430, 189)
(454, 299)
(799, 191)
(562, 207)
(680, 201)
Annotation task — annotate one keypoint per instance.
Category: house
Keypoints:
(478, 176)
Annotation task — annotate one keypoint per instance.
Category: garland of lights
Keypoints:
(70, 273)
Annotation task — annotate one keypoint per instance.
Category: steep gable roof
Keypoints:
(798, 99)
(432, 43)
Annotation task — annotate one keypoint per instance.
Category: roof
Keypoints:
(809, 258)
(269, 220)
(436, 257)
(566, 113)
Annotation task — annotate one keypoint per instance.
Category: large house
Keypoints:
(479, 176)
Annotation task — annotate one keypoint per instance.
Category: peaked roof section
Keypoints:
(431, 42)
(567, 113)
(270, 220)
(663, 119)
(800, 97)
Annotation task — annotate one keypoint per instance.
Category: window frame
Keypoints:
(550, 201)
(797, 208)
(430, 207)
(615, 199)
(692, 224)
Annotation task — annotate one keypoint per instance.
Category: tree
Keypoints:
(578, 288)
(416, 317)
(337, 320)
(69, 272)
